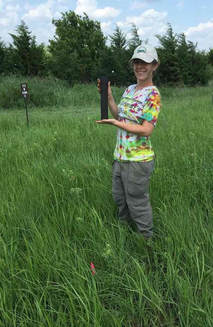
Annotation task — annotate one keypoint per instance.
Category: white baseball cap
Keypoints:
(146, 53)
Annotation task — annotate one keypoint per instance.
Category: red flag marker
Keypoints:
(92, 268)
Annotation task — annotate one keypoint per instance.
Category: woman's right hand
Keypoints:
(109, 87)
(112, 105)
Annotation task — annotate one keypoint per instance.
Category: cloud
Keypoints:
(106, 12)
(39, 18)
(149, 23)
(9, 18)
(202, 34)
(12, 13)
(138, 5)
(199, 29)
(142, 4)
(44, 10)
(90, 7)
(106, 27)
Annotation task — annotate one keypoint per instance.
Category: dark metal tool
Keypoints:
(104, 97)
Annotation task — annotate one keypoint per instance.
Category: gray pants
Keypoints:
(130, 190)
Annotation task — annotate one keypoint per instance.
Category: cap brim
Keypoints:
(144, 58)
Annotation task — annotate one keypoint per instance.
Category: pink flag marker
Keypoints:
(92, 268)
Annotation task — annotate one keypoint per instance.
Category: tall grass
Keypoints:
(42, 92)
(47, 93)
(57, 216)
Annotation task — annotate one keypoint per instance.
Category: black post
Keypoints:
(24, 92)
(25, 101)
(104, 97)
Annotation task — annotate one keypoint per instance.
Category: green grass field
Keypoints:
(58, 216)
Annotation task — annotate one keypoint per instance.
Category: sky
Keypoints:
(194, 18)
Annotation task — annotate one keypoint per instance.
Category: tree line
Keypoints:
(79, 52)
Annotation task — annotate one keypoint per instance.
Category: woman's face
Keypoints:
(143, 71)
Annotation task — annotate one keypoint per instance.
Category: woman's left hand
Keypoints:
(107, 121)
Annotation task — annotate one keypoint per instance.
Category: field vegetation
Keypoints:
(58, 216)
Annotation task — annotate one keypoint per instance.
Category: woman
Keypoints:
(135, 117)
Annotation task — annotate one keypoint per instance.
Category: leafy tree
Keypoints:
(76, 48)
(28, 57)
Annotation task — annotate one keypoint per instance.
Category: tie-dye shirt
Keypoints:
(134, 108)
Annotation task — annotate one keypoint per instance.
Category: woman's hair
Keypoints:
(155, 62)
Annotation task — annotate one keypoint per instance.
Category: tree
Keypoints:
(185, 53)
(169, 71)
(27, 55)
(118, 39)
(210, 57)
(2, 56)
(120, 57)
(192, 63)
(181, 62)
(76, 48)
(201, 73)
(135, 40)
(7, 59)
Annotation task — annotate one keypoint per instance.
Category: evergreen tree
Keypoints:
(28, 57)
(7, 59)
(135, 40)
(133, 43)
(2, 56)
(185, 53)
(181, 63)
(201, 74)
(10, 61)
(210, 57)
(192, 63)
(118, 39)
(120, 57)
(107, 65)
(169, 71)
(38, 59)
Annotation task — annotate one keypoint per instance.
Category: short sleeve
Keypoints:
(128, 90)
(151, 108)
